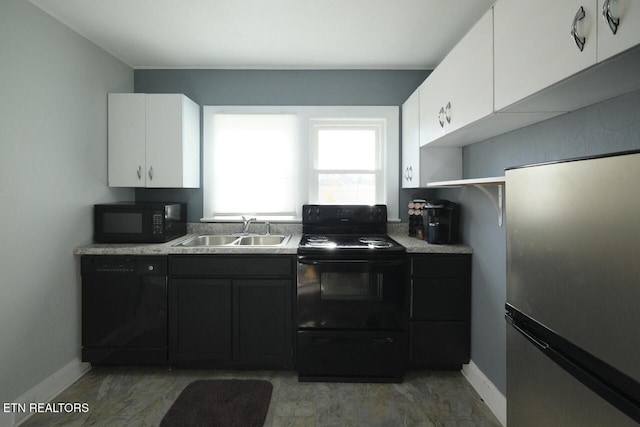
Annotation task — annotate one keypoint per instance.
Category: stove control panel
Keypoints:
(311, 213)
(344, 214)
(378, 213)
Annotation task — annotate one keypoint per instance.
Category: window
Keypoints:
(347, 162)
(269, 161)
(251, 165)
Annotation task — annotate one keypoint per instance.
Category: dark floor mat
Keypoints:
(228, 403)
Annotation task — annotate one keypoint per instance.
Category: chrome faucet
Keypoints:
(267, 226)
(246, 222)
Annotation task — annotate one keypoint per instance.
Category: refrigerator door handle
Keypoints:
(535, 341)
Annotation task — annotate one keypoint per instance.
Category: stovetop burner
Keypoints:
(346, 242)
(319, 241)
(376, 242)
(346, 230)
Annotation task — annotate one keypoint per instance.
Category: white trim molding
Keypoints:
(494, 399)
(48, 389)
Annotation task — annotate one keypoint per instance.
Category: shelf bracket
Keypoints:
(497, 202)
(481, 184)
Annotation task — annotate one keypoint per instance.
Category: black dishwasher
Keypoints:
(124, 309)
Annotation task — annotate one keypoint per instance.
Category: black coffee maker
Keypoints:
(441, 222)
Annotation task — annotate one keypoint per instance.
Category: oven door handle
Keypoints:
(350, 261)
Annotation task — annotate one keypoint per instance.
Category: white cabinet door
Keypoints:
(126, 135)
(173, 141)
(469, 76)
(533, 48)
(460, 90)
(432, 103)
(411, 141)
(164, 135)
(624, 17)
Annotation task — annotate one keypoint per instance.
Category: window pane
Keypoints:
(350, 149)
(254, 158)
(347, 188)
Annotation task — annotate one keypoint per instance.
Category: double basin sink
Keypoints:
(235, 240)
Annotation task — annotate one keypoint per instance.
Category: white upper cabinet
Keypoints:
(539, 43)
(553, 56)
(618, 26)
(421, 165)
(411, 141)
(460, 90)
(527, 61)
(154, 141)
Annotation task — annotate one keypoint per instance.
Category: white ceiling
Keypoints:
(272, 34)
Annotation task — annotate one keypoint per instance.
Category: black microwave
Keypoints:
(139, 222)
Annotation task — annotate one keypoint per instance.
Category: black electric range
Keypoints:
(352, 308)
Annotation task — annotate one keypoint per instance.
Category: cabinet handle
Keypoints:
(440, 120)
(139, 173)
(151, 173)
(608, 17)
(410, 173)
(447, 112)
(580, 41)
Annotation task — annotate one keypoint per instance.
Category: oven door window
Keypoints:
(353, 286)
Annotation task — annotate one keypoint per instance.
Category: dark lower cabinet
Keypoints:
(200, 319)
(231, 311)
(262, 320)
(440, 328)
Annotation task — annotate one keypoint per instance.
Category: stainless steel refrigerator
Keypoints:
(573, 293)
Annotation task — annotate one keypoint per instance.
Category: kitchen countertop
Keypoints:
(169, 249)
(412, 245)
(416, 246)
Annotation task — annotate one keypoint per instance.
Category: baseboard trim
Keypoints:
(495, 400)
(48, 389)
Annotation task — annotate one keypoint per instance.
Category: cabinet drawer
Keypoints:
(439, 344)
(440, 299)
(231, 266)
(449, 266)
(351, 354)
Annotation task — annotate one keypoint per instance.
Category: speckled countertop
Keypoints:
(398, 232)
(414, 245)
(169, 248)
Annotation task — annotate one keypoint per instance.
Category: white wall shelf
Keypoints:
(481, 184)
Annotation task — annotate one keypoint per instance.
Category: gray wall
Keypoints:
(609, 126)
(274, 87)
(53, 167)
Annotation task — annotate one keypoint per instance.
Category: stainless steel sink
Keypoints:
(210, 240)
(264, 240)
(235, 240)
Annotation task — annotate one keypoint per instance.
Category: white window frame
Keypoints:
(317, 125)
(387, 116)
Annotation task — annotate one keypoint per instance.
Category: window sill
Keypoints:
(238, 219)
(272, 219)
